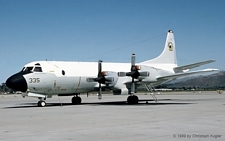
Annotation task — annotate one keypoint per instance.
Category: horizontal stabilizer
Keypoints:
(191, 66)
(177, 75)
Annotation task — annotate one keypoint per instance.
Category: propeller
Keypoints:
(134, 74)
(100, 79)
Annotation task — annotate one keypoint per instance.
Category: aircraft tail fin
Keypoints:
(168, 56)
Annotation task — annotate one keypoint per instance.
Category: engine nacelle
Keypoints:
(110, 78)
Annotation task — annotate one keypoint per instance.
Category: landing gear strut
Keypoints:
(76, 100)
(132, 99)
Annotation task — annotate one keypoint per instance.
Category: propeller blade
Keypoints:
(133, 62)
(99, 68)
(100, 79)
(132, 87)
(133, 59)
(100, 91)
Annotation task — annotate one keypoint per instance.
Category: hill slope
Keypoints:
(209, 81)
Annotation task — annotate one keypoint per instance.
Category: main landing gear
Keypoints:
(76, 100)
(132, 99)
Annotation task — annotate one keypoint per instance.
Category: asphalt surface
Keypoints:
(176, 116)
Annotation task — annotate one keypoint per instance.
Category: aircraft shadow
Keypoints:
(143, 102)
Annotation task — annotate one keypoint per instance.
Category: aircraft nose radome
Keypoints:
(17, 82)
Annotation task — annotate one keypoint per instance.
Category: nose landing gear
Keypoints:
(42, 102)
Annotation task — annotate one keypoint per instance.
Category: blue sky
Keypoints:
(89, 30)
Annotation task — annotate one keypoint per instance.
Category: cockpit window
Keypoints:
(27, 69)
(37, 69)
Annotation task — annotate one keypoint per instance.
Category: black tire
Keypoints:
(132, 99)
(41, 103)
(129, 100)
(76, 100)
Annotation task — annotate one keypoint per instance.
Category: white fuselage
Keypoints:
(59, 77)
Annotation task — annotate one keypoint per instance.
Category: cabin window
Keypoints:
(63, 72)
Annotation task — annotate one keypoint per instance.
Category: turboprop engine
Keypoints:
(109, 78)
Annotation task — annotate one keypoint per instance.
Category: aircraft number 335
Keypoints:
(34, 80)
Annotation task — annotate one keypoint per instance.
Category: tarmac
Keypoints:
(177, 116)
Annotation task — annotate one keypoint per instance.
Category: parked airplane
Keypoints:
(42, 79)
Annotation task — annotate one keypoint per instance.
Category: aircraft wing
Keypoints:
(177, 75)
(191, 66)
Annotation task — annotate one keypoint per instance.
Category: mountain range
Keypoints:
(216, 80)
